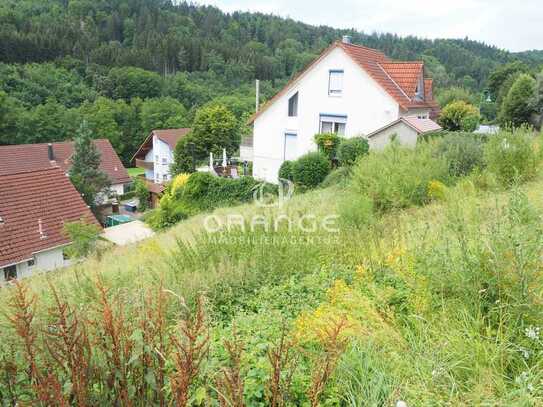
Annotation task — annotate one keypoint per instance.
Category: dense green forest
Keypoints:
(127, 66)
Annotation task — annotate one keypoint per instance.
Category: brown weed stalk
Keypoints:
(67, 342)
(156, 347)
(23, 306)
(113, 338)
(334, 344)
(230, 382)
(189, 351)
(283, 363)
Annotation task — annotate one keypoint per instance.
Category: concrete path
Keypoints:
(127, 233)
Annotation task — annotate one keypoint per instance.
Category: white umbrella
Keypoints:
(224, 163)
(211, 161)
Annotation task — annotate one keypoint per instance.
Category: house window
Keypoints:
(293, 105)
(333, 124)
(31, 262)
(156, 158)
(10, 273)
(165, 177)
(335, 83)
(164, 161)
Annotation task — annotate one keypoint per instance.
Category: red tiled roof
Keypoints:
(32, 157)
(169, 136)
(399, 79)
(153, 187)
(44, 196)
(421, 126)
(405, 74)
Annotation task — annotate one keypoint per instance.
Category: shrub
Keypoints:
(328, 144)
(339, 176)
(517, 106)
(311, 169)
(349, 150)
(398, 177)
(285, 171)
(459, 116)
(83, 236)
(511, 156)
(463, 152)
(437, 190)
(142, 193)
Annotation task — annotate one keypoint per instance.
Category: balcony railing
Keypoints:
(149, 165)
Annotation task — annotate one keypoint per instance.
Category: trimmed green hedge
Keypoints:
(311, 169)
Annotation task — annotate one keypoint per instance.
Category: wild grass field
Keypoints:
(430, 292)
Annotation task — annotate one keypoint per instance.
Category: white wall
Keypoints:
(117, 189)
(406, 136)
(162, 155)
(246, 153)
(149, 157)
(43, 261)
(365, 103)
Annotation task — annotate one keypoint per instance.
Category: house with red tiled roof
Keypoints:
(35, 204)
(30, 157)
(155, 156)
(350, 90)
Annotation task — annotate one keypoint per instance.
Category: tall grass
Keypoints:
(437, 305)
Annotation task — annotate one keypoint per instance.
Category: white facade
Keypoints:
(46, 260)
(361, 107)
(161, 155)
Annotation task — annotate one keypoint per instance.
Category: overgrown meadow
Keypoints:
(430, 292)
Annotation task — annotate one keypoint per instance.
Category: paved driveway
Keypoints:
(127, 233)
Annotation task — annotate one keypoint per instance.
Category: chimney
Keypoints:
(347, 39)
(50, 152)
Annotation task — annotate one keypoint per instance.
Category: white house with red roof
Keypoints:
(350, 90)
(155, 155)
(35, 205)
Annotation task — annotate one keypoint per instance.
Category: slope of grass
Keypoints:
(440, 301)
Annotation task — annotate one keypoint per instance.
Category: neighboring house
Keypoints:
(24, 157)
(155, 155)
(349, 90)
(34, 206)
(406, 130)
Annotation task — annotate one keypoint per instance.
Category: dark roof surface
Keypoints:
(32, 201)
(32, 157)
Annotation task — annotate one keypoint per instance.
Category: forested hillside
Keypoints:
(127, 66)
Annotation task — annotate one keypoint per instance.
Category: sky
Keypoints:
(512, 25)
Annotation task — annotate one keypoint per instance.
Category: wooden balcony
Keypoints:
(148, 165)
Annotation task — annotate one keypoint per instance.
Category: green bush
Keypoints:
(397, 177)
(459, 116)
(285, 171)
(510, 155)
(328, 144)
(350, 149)
(463, 152)
(311, 169)
(339, 176)
(142, 193)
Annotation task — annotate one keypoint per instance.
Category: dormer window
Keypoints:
(293, 105)
(419, 90)
(335, 82)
